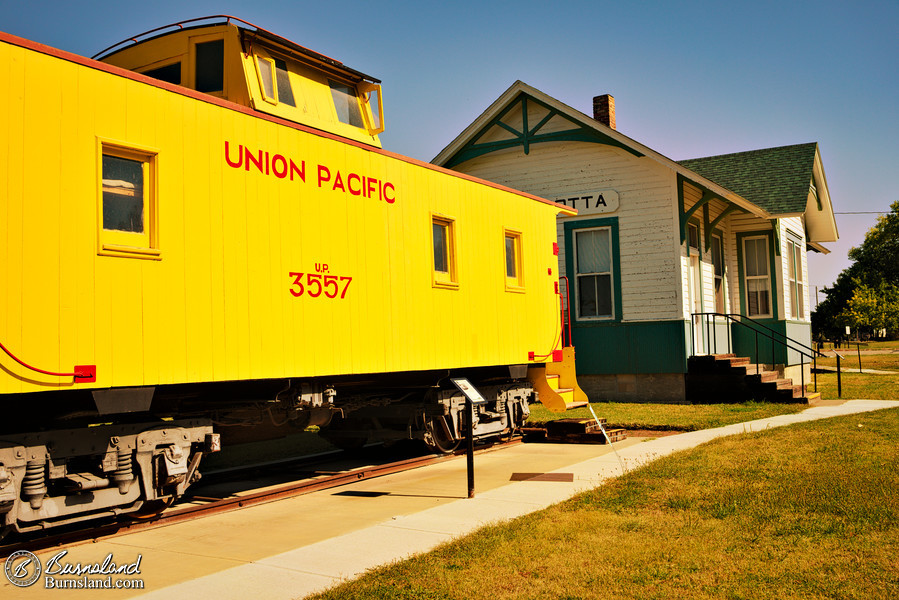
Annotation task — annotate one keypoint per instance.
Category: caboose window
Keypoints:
(512, 242)
(346, 103)
(123, 194)
(442, 231)
(210, 66)
(127, 202)
(274, 80)
(266, 69)
(169, 73)
(285, 94)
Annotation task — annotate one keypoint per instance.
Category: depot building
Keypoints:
(665, 260)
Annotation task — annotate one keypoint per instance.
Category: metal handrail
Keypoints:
(767, 332)
(566, 316)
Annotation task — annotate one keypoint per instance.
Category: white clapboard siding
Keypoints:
(646, 225)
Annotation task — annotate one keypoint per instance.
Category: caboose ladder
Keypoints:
(556, 383)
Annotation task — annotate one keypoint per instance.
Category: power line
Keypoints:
(874, 212)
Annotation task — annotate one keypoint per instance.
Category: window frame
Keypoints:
(445, 279)
(192, 60)
(144, 244)
(719, 282)
(795, 280)
(515, 282)
(360, 110)
(694, 249)
(571, 226)
(273, 97)
(577, 276)
(745, 277)
(169, 62)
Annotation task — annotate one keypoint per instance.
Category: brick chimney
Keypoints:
(604, 109)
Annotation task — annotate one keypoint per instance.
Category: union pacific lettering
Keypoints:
(357, 185)
(268, 163)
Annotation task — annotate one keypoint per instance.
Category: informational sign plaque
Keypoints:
(464, 386)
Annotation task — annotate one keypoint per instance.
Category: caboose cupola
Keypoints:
(234, 60)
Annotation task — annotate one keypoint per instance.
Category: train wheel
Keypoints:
(442, 439)
(152, 508)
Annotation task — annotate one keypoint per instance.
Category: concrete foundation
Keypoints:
(795, 372)
(658, 388)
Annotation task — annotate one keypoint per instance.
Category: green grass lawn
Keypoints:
(678, 417)
(863, 385)
(805, 511)
(891, 345)
(850, 360)
(859, 386)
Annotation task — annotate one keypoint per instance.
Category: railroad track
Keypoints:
(195, 505)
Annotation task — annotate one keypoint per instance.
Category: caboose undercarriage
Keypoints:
(136, 450)
(63, 476)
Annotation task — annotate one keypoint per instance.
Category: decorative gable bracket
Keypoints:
(511, 128)
(707, 196)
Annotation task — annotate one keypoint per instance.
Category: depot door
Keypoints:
(694, 286)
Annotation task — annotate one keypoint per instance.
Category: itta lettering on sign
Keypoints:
(588, 203)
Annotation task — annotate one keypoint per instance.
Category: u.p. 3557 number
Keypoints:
(316, 284)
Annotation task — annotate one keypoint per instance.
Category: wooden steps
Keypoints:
(723, 378)
(582, 431)
(556, 383)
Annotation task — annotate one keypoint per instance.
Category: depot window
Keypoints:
(127, 202)
(693, 238)
(346, 103)
(718, 272)
(797, 283)
(756, 277)
(512, 248)
(593, 273)
(443, 238)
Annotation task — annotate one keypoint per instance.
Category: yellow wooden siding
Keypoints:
(217, 305)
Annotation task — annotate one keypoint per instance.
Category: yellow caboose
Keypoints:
(203, 227)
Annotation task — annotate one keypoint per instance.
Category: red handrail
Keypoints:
(88, 372)
(567, 309)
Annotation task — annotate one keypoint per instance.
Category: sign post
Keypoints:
(472, 397)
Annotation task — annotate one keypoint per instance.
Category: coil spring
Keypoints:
(34, 483)
(124, 466)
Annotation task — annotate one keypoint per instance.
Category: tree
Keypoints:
(873, 309)
(876, 264)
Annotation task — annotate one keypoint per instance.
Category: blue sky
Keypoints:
(689, 78)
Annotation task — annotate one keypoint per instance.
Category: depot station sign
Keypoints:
(591, 203)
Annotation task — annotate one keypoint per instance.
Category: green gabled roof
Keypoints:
(776, 179)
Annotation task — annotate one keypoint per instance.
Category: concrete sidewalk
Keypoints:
(315, 567)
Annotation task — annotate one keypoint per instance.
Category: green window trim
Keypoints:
(570, 227)
(699, 233)
(772, 278)
(796, 284)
